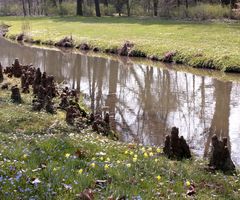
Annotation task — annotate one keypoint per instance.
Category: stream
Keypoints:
(145, 99)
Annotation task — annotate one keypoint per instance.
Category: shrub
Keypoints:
(67, 8)
(203, 12)
(7, 10)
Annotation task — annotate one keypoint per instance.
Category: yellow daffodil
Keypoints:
(106, 167)
(151, 154)
(134, 159)
(80, 171)
(67, 155)
(118, 161)
(25, 156)
(156, 160)
(93, 165)
(126, 152)
(188, 183)
(108, 159)
(150, 149)
(158, 150)
(145, 155)
(101, 158)
(158, 178)
(135, 156)
(131, 153)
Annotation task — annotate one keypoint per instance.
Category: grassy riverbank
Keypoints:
(44, 158)
(205, 45)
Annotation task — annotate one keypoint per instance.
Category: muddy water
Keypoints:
(146, 101)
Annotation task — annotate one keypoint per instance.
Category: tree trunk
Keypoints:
(232, 3)
(29, 7)
(79, 7)
(105, 2)
(54, 3)
(178, 3)
(148, 6)
(186, 4)
(24, 9)
(155, 8)
(44, 8)
(128, 8)
(97, 8)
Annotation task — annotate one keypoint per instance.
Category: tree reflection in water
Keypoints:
(144, 101)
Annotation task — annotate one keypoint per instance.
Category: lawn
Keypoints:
(200, 44)
(42, 157)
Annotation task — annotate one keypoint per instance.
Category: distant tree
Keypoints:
(228, 2)
(97, 8)
(29, 7)
(233, 3)
(105, 2)
(178, 3)
(167, 8)
(128, 8)
(53, 2)
(24, 9)
(80, 7)
(155, 8)
(44, 7)
(186, 3)
(119, 4)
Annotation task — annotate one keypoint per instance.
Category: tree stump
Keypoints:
(50, 106)
(16, 69)
(1, 73)
(220, 157)
(16, 96)
(125, 49)
(175, 147)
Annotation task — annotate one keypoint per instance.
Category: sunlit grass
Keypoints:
(212, 45)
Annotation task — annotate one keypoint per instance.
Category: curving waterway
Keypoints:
(146, 99)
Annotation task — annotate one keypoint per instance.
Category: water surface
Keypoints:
(145, 101)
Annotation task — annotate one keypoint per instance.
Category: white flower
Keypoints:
(36, 181)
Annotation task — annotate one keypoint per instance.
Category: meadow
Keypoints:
(208, 44)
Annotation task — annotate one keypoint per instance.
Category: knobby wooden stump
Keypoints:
(176, 147)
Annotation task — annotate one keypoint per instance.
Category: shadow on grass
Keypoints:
(145, 21)
(108, 20)
(124, 20)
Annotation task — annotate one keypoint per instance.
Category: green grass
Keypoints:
(210, 44)
(39, 146)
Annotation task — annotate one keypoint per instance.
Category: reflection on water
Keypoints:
(144, 101)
